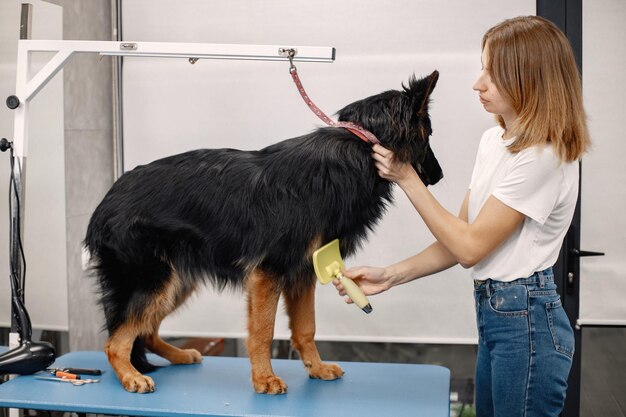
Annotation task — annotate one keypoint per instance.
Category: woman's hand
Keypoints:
(372, 280)
(389, 168)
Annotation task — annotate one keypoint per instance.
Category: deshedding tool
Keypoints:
(328, 265)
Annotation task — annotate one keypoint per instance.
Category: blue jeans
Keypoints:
(525, 347)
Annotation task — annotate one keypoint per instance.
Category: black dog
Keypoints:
(248, 219)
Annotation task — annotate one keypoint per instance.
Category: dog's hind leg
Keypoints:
(118, 349)
(170, 298)
(143, 318)
(262, 305)
(172, 353)
(301, 311)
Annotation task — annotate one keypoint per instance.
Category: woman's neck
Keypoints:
(509, 121)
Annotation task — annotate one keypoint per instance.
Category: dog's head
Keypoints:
(400, 120)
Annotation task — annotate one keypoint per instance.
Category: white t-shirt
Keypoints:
(533, 182)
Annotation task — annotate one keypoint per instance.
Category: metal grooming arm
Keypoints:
(26, 89)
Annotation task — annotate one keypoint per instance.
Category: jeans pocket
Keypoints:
(560, 329)
(510, 300)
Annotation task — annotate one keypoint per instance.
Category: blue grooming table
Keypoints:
(221, 386)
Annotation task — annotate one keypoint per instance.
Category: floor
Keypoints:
(603, 385)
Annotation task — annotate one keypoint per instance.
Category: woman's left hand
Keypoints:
(389, 168)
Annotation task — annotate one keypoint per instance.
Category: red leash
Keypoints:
(359, 131)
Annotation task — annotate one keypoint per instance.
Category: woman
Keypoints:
(512, 222)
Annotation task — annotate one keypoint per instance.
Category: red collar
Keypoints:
(359, 131)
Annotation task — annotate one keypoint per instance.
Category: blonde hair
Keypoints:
(532, 65)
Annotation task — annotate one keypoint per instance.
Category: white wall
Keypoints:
(44, 226)
(171, 106)
(603, 279)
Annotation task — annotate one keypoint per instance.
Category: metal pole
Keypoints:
(118, 110)
(17, 197)
(17, 205)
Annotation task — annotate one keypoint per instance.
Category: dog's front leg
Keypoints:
(262, 304)
(301, 311)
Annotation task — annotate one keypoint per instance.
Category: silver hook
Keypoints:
(290, 53)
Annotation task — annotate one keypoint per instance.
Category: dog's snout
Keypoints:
(429, 170)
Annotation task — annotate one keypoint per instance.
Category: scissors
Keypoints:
(71, 381)
(75, 371)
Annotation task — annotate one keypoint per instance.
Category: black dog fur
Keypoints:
(215, 216)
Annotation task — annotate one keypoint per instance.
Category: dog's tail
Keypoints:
(138, 357)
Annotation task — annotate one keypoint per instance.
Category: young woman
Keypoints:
(513, 219)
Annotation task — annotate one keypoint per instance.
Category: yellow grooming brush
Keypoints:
(328, 266)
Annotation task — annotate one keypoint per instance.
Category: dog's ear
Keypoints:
(420, 90)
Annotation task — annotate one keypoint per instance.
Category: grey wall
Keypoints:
(88, 156)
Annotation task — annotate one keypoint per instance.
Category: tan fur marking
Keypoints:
(301, 311)
(118, 348)
(163, 303)
(172, 296)
(146, 324)
(173, 354)
(314, 245)
(262, 305)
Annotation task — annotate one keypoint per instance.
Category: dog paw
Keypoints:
(138, 383)
(326, 371)
(270, 384)
(196, 357)
(186, 357)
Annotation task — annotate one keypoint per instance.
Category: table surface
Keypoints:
(221, 386)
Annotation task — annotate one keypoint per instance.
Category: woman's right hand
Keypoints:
(372, 280)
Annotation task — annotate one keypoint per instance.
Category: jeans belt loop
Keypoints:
(542, 279)
(488, 287)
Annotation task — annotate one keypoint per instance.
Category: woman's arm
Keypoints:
(435, 258)
(467, 243)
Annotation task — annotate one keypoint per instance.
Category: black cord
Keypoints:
(18, 275)
(15, 280)
(19, 282)
(19, 226)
